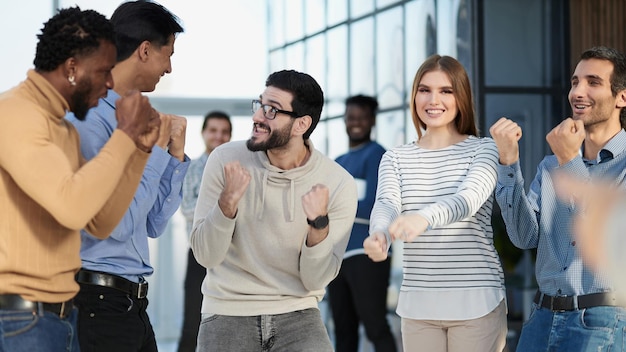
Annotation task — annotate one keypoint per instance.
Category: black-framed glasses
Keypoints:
(269, 111)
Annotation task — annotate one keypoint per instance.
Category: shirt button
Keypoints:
(176, 171)
(573, 243)
(558, 291)
(510, 175)
(564, 268)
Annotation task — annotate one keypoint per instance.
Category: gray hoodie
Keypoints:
(258, 262)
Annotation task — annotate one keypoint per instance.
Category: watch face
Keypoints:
(320, 222)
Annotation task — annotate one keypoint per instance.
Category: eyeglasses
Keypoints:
(269, 111)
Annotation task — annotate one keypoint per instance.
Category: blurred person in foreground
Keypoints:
(216, 130)
(575, 308)
(49, 191)
(271, 226)
(436, 195)
(113, 293)
(599, 225)
(359, 292)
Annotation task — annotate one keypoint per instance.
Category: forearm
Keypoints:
(118, 203)
(211, 236)
(518, 213)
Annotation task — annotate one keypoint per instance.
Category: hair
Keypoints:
(139, 21)
(217, 115)
(70, 33)
(364, 101)
(464, 121)
(618, 77)
(308, 97)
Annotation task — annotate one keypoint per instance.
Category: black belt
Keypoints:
(135, 290)
(564, 303)
(16, 302)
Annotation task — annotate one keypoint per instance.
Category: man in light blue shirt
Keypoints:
(112, 299)
(576, 307)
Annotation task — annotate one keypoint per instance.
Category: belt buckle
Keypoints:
(552, 304)
(555, 306)
(142, 290)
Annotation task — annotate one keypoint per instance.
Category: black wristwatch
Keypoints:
(319, 223)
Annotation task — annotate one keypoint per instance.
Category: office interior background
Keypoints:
(519, 54)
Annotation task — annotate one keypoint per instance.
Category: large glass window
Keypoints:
(315, 60)
(337, 11)
(390, 58)
(362, 73)
(527, 49)
(315, 17)
(359, 8)
(294, 21)
(337, 83)
(420, 37)
(390, 128)
(276, 27)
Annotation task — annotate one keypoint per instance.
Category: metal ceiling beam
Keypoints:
(200, 106)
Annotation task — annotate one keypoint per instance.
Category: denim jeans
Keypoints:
(299, 331)
(591, 329)
(111, 321)
(45, 332)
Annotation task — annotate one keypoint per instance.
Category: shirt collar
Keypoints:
(614, 147)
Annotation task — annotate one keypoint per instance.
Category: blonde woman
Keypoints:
(436, 195)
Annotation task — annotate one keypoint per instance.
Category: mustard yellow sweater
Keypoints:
(48, 192)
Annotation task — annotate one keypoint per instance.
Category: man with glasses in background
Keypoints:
(271, 226)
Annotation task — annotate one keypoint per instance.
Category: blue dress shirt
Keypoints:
(125, 253)
(541, 220)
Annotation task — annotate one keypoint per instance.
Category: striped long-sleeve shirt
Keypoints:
(455, 261)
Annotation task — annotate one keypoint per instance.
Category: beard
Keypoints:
(79, 101)
(278, 138)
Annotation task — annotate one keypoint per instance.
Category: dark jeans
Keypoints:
(301, 331)
(110, 320)
(359, 295)
(193, 304)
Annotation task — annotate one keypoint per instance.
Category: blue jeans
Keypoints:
(299, 331)
(28, 332)
(591, 329)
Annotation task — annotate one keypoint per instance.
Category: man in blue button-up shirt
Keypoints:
(575, 308)
(112, 300)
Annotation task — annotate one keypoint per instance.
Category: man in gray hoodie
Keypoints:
(271, 225)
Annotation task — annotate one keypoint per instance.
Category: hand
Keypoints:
(177, 137)
(236, 181)
(147, 140)
(315, 201)
(506, 133)
(375, 246)
(164, 131)
(314, 204)
(136, 117)
(408, 227)
(566, 139)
